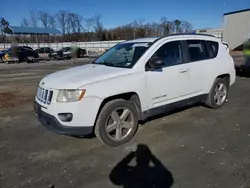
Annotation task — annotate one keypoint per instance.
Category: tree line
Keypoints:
(76, 28)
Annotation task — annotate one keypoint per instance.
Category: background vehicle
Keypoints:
(45, 52)
(65, 53)
(25, 54)
(132, 81)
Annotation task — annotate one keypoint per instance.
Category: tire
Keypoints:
(105, 116)
(211, 101)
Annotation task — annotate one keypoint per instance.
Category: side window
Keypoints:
(47, 50)
(22, 50)
(171, 53)
(40, 50)
(197, 50)
(213, 48)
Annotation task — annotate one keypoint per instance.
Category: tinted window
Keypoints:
(48, 50)
(197, 50)
(27, 47)
(171, 53)
(45, 50)
(41, 50)
(22, 50)
(67, 49)
(213, 48)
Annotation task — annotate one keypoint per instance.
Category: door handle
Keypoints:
(183, 70)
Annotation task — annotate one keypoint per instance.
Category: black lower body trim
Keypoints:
(52, 124)
(173, 106)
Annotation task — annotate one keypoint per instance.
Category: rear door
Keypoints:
(202, 64)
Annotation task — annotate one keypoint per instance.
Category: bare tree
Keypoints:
(44, 17)
(186, 27)
(165, 26)
(33, 18)
(78, 20)
(3, 24)
(177, 26)
(88, 27)
(98, 27)
(62, 20)
(70, 24)
(52, 22)
(24, 23)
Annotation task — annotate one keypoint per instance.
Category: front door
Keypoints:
(171, 82)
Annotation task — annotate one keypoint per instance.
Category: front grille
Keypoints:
(44, 95)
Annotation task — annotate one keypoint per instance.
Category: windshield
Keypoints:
(62, 49)
(4, 51)
(123, 55)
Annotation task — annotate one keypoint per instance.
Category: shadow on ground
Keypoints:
(148, 172)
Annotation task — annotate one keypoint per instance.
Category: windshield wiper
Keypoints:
(105, 63)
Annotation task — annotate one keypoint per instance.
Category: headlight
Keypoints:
(70, 95)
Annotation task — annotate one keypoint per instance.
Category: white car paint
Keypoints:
(82, 75)
(100, 82)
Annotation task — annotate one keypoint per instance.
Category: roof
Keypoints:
(235, 12)
(31, 30)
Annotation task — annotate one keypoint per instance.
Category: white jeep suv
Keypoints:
(132, 81)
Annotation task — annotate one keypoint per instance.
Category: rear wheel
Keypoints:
(117, 122)
(218, 94)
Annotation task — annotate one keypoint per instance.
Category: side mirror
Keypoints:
(156, 63)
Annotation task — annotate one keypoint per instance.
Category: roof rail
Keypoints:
(199, 34)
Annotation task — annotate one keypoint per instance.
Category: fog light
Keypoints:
(65, 117)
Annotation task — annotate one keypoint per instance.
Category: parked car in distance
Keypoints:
(45, 52)
(25, 54)
(65, 53)
(132, 81)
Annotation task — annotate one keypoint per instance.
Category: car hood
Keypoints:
(76, 77)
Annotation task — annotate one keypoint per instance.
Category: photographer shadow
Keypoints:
(148, 171)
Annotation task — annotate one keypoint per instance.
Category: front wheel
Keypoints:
(117, 122)
(218, 94)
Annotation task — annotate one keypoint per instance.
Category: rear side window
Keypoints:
(22, 49)
(213, 48)
(197, 50)
(47, 50)
(41, 50)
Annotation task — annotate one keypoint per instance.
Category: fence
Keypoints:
(98, 46)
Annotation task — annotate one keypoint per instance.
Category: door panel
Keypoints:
(171, 81)
(168, 84)
(201, 65)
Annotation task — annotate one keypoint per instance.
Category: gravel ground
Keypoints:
(194, 147)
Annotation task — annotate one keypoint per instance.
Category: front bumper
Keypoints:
(52, 124)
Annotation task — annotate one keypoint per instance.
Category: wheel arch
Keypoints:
(128, 96)
(224, 76)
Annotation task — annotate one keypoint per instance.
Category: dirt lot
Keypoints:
(196, 147)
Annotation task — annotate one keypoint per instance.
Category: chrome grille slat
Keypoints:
(44, 95)
(47, 99)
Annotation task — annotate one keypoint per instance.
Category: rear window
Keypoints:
(197, 50)
(213, 48)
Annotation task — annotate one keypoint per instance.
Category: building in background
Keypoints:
(236, 28)
(210, 31)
